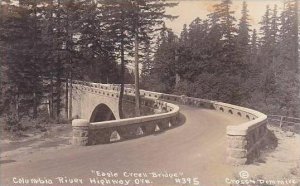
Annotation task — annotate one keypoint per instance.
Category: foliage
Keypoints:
(218, 59)
(55, 40)
(12, 123)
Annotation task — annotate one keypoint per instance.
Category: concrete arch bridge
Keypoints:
(97, 107)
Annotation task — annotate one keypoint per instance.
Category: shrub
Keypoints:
(12, 123)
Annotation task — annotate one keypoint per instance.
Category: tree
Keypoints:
(228, 67)
(265, 29)
(192, 54)
(223, 17)
(184, 34)
(267, 57)
(59, 40)
(4, 99)
(254, 45)
(147, 16)
(116, 17)
(288, 34)
(147, 64)
(21, 36)
(287, 77)
(215, 60)
(243, 52)
(243, 37)
(164, 63)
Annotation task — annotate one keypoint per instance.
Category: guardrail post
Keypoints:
(281, 121)
(80, 132)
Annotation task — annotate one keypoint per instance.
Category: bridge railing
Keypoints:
(86, 133)
(245, 141)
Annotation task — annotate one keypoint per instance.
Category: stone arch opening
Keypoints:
(102, 113)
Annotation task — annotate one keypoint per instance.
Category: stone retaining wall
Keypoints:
(244, 141)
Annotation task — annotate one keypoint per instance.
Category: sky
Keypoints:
(188, 10)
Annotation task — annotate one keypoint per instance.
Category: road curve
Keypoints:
(194, 150)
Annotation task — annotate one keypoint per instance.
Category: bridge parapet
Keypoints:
(86, 133)
(244, 141)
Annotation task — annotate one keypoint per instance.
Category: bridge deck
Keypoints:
(196, 148)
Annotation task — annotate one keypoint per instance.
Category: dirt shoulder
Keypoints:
(281, 163)
(33, 139)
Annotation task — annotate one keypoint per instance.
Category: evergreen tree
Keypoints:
(228, 66)
(164, 63)
(184, 34)
(274, 29)
(147, 64)
(147, 16)
(59, 40)
(243, 34)
(288, 34)
(223, 17)
(287, 78)
(243, 52)
(265, 29)
(267, 78)
(21, 37)
(254, 45)
(193, 52)
(116, 18)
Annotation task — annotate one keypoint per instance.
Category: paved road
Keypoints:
(194, 150)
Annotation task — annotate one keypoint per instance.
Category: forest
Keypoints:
(110, 41)
(222, 58)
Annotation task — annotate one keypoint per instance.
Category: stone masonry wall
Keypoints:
(245, 148)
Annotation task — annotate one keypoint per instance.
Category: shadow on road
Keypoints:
(7, 161)
(115, 138)
(181, 121)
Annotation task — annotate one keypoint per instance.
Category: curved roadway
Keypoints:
(194, 150)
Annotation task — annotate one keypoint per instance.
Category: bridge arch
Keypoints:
(102, 113)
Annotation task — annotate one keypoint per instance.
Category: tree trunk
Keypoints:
(58, 89)
(51, 105)
(136, 79)
(67, 98)
(17, 106)
(58, 69)
(35, 106)
(51, 98)
(70, 95)
(122, 81)
(68, 70)
(35, 101)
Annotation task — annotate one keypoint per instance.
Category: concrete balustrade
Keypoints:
(244, 141)
(85, 133)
